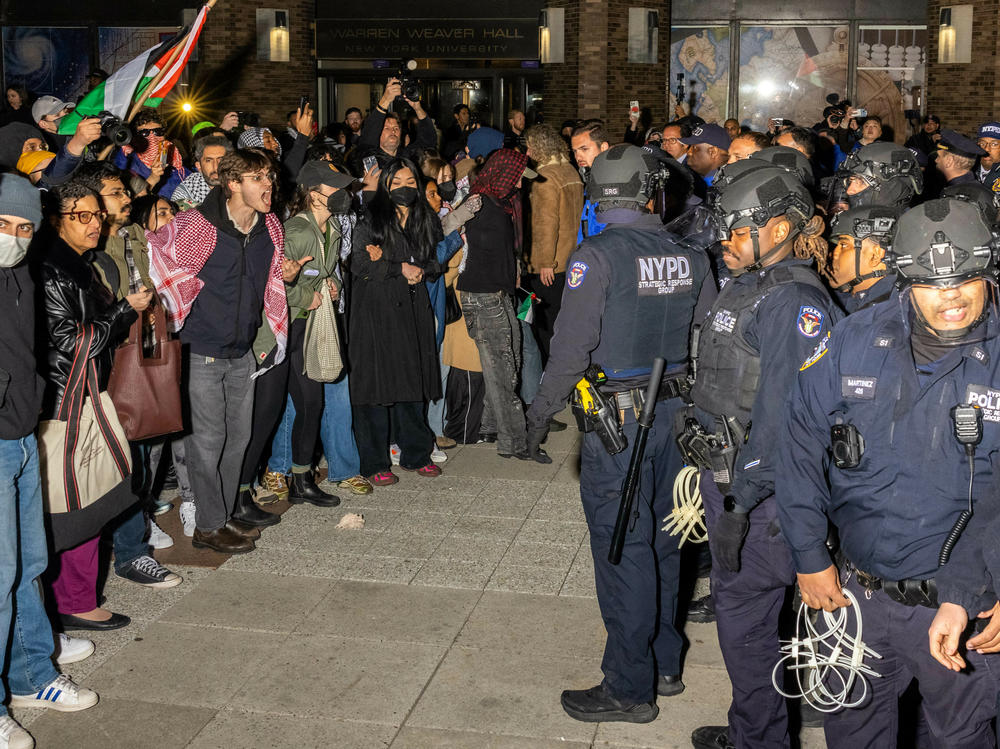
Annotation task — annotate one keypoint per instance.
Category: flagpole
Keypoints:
(163, 71)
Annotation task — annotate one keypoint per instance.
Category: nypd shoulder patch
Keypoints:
(810, 321)
(576, 273)
(818, 354)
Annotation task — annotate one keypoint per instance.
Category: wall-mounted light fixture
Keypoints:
(643, 35)
(551, 36)
(955, 34)
(272, 35)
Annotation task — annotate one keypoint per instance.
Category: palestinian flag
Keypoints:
(129, 83)
(526, 310)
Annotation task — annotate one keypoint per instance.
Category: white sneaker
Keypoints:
(12, 736)
(62, 694)
(186, 512)
(159, 538)
(438, 455)
(72, 649)
(394, 453)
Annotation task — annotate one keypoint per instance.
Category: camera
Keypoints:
(410, 87)
(247, 119)
(114, 129)
(847, 445)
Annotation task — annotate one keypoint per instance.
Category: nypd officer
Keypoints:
(988, 172)
(882, 437)
(956, 156)
(882, 174)
(763, 324)
(630, 296)
(857, 268)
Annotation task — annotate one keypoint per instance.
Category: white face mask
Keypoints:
(12, 250)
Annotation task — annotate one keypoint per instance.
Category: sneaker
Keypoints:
(147, 571)
(598, 705)
(264, 496)
(445, 443)
(383, 478)
(12, 736)
(430, 471)
(438, 456)
(394, 453)
(159, 538)
(72, 649)
(186, 512)
(62, 694)
(162, 507)
(356, 485)
(277, 483)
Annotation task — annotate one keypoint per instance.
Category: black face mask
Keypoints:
(339, 202)
(404, 196)
(448, 190)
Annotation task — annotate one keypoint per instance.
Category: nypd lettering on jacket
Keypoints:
(987, 399)
(663, 274)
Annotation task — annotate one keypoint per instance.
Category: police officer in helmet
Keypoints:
(889, 433)
(858, 271)
(630, 296)
(763, 324)
(881, 174)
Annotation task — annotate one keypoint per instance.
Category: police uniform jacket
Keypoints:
(630, 296)
(782, 323)
(895, 509)
(879, 291)
(991, 178)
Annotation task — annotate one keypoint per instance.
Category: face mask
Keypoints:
(447, 190)
(12, 250)
(403, 195)
(339, 202)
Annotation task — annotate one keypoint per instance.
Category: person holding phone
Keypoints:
(152, 161)
(382, 134)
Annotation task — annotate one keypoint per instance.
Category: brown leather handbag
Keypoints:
(146, 390)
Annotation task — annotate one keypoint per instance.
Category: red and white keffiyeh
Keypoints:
(178, 252)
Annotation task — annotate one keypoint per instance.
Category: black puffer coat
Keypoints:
(73, 293)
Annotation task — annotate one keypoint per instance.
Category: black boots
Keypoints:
(247, 512)
(303, 489)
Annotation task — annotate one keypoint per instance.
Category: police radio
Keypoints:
(967, 421)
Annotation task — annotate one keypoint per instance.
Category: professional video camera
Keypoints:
(115, 129)
(409, 86)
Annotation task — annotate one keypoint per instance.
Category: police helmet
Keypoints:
(891, 172)
(622, 175)
(977, 193)
(875, 222)
(943, 242)
(789, 158)
(757, 194)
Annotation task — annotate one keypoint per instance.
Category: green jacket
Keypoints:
(304, 238)
(114, 246)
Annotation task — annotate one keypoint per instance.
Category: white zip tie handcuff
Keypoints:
(826, 664)
(688, 516)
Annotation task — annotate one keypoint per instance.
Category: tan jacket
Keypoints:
(458, 349)
(556, 205)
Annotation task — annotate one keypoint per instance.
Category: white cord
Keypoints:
(826, 664)
(688, 516)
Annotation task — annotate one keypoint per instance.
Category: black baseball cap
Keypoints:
(318, 172)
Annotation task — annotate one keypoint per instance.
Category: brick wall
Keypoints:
(229, 76)
(596, 80)
(966, 95)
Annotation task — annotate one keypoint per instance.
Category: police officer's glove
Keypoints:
(536, 436)
(726, 539)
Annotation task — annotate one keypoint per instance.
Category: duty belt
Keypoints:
(635, 397)
(909, 592)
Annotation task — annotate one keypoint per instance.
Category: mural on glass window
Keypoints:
(891, 76)
(699, 71)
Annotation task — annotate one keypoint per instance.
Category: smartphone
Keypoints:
(860, 113)
(303, 101)
(164, 149)
(370, 162)
(633, 109)
(777, 122)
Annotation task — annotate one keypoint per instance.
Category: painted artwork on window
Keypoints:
(47, 59)
(699, 71)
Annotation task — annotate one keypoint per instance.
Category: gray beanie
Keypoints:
(18, 197)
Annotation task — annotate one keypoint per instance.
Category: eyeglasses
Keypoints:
(146, 132)
(85, 217)
(988, 144)
(118, 193)
(258, 178)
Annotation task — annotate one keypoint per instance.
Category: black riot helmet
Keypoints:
(977, 193)
(890, 171)
(789, 158)
(943, 242)
(621, 175)
(669, 183)
(756, 195)
(871, 222)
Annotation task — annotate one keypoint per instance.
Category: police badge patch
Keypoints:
(810, 321)
(576, 273)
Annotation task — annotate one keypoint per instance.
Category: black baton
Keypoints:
(631, 482)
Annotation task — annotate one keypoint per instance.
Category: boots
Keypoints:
(247, 512)
(303, 489)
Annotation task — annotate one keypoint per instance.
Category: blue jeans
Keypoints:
(23, 557)
(435, 409)
(127, 537)
(531, 364)
(336, 433)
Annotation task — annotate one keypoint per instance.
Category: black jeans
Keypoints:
(546, 312)
(409, 430)
(272, 389)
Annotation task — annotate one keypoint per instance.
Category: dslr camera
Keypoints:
(115, 129)
(247, 119)
(409, 86)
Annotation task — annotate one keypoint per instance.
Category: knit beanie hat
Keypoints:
(20, 198)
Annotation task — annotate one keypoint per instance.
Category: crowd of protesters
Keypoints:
(443, 255)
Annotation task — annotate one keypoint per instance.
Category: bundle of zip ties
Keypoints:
(688, 516)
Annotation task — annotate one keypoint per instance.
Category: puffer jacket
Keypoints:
(72, 293)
